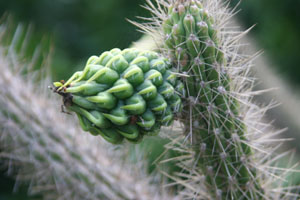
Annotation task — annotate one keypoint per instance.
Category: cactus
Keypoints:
(211, 82)
(46, 149)
(230, 155)
(123, 94)
(230, 149)
(218, 131)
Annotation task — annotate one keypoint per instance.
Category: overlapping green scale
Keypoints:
(123, 94)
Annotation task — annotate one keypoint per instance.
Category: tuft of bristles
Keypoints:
(250, 175)
(48, 150)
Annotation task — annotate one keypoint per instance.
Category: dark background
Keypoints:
(79, 29)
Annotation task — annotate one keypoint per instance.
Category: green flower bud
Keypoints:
(121, 89)
(146, 120)
(158, 104)
(147, 90)
(104, 76)
(117, 63)
(175, 103)
(134, 75)
(92, 60)
(142, 62)
(118, 115)
(103, 100)
(135, 105)
(95, 117)
(149, 54)
(83, 102)
(166, 117)
(170, 77)
(123, 94)
(166, 90)
(111, 135)
(115, 51)
(153, 131)
(159, 65)
(86, 88)
(129, 131)
(130, 54)
(104, 58)
(155, 77)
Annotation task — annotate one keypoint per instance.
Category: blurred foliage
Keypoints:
(153, 150)
(83, 28)
(79, 29)
(8, 184)
(32, 46)
(277, 32)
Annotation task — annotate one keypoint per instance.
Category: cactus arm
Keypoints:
(211, 111)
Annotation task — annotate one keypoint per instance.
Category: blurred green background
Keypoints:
(79, 29)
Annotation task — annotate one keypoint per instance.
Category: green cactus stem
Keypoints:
(123, 94)
(217, 131)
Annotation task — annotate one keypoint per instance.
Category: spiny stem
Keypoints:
(196, 52)
(223, 124)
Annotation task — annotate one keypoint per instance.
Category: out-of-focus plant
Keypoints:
(276, 32)
(231, 147)
(78, 28)
(41, 146)
(227, 150)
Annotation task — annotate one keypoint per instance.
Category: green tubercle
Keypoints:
(123, 94)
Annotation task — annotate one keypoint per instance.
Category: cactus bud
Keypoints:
(123, 94)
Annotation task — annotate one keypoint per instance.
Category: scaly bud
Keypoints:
(123, 94)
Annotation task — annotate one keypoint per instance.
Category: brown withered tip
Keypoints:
(67, 97)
